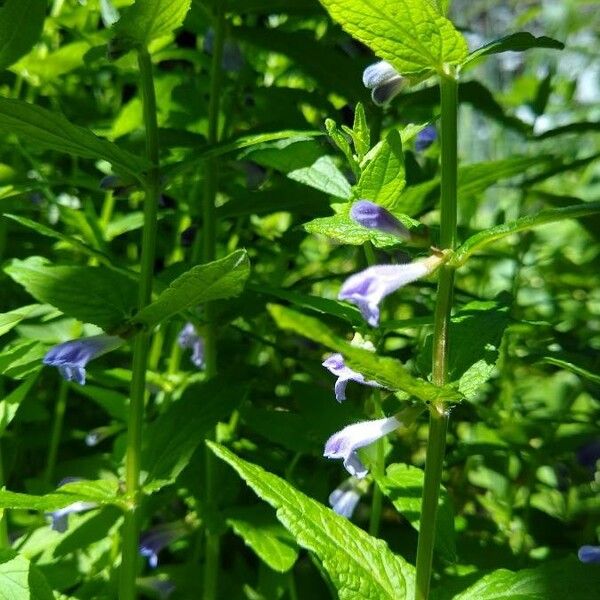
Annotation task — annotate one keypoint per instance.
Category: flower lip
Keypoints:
(188, 338)
(425, 138)
(371, 215)
(159, 537)
(344, 499)
(336, 365)
(378, 74)
(589, 554)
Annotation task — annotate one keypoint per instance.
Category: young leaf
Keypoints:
(410, 34)
(20, 579)
(359, 565)
(21, 24)
(220, 279)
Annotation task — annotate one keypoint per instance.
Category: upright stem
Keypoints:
(142, 340)
(209, 236)
(4, 540)
(438, 415)
(57, 426)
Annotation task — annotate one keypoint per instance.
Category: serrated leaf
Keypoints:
(20, 579)
(147, 20)
(403, 485)
(261, 531)
(21, 24)
(91, 294)
(359, 565)
(410, 34)
(216, 280)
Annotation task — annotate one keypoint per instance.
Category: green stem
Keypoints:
(377, 500)
(4, 540)
(142, 340)
(209, 250)
(438, 419)
(57, 426)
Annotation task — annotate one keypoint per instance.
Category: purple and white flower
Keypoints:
(345, 498)
(371, 215)
(589, 554)
(425, 138)
(72, 357)
(336, 365)
(384, 82)
(369, 287)
(159, 537)
(189, 339)
(345, 443)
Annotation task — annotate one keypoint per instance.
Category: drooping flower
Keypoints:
(72, 357)
(384, 82)
(371, 215)
(369, 287)
(59, 519)
(159, 537)
(425, 138)
(589, 554)
(345, 443)
(336, 365)
(189, 339)
(344, 499)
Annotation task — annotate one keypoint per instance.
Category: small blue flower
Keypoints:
(344, 499)
(336, 365)
(384, 82)
(371, 215)
(369, 287)
(60, 518)
(345, 443)
(159, 537)
(425, 138)
(72, 357)
(589, 554)
(188, 338)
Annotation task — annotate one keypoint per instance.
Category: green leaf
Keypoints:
(383, 180)
(261, 531)
(359, 565)
(173, 437)
(403, 485)
(99, 492)
(20, 579)
(50, 130)
(361, 134)
(22, 358)
(12, 318)
(216, 280)
(21, 24)
(390, 372)
(410, 34)
(91, 294)
(573, 368)
(515, 42)
(11, 402)
(147, 20)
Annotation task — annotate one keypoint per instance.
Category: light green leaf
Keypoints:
(51, 130)
(573, 368)
(91, 294)
(383, 180)
(410, 34)
(21, 580)
(359, 565)
(219, 279)
(22, 358)
(147, 20)
(11, 402)
(361, 133)
(323, 175)
(261, 531)
(12, 318)
(403, 485)
(21, 24)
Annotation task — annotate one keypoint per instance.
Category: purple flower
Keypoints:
(188, 338)
(589, 454)
(369, 287)
(157, 538)
(336, 365)
(344, 499)
(72, 357)
(589, 554)
(371, 215)
(384, 82)
(425, 138)
(345, 443)
(60, 517)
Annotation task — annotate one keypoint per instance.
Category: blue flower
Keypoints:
(188, 338)
(336, 365)
(344, 499)
(60, 518)
(157, 538)
(371, 215)
(72, 357)
(589, 554)
(384, 82)
(425, 138)
(369, 287)
(345, 443)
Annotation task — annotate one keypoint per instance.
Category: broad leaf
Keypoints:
(20, 579)
(220, 279)
(359, 565)
(21, 24)
(410, 34)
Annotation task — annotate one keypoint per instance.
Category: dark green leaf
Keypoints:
(21, 24)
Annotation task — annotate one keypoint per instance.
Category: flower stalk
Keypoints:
(438, 414)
